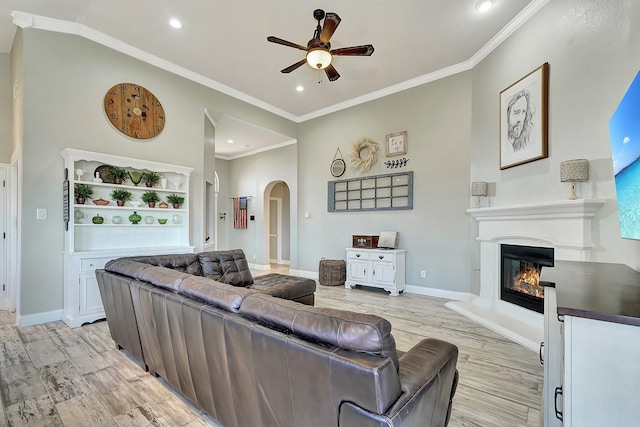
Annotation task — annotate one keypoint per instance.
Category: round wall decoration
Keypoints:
(134, 110)
(364, 146)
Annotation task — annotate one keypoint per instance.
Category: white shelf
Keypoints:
(131, 208)
(140, 224)
(131, 187)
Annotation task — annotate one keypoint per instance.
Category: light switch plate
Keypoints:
(41, 213)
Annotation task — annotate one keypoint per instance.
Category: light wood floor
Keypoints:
(51, 375)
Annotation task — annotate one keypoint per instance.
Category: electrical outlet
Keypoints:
(423, 274)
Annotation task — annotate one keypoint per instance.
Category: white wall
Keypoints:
(593, 51)
(6, 98)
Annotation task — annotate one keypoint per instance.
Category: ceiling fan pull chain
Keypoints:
(321, 72)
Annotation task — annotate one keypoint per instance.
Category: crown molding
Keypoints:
(259, 150)
(27, 20)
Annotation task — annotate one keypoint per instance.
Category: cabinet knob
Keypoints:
(357, 255)
(381, 256)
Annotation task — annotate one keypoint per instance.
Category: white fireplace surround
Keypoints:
(564, 226)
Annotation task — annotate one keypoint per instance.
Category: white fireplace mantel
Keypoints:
(562, 225)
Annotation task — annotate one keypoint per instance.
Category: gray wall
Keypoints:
(65, 79)
(224, 204)
(6, 115)
(254, 176)
(437, 118)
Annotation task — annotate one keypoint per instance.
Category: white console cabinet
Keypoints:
(379, 268)
(89, 246)
(591, 370)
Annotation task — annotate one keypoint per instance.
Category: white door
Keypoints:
(275, 225)
(6, 296)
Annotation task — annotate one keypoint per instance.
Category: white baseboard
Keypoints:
(303, 273)
(38, 318)
(439, 293)
(260, 267)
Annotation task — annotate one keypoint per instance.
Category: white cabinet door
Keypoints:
(553, 354)
(90, 301)
(384, 273)
(358, 270)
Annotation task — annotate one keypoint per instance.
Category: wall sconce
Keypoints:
(574, 171)
(222, 215)
(478, 189)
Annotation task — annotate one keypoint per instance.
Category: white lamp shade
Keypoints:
(478, 188)
(318, 58)
(574, 170)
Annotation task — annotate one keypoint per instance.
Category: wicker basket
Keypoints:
(332, 272)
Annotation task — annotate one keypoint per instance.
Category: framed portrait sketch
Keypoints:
(397, 143)
(523, 119)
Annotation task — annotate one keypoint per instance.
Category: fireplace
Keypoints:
(519, 281)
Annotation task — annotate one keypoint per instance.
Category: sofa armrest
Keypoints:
(428, 378)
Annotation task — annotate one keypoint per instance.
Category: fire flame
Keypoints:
(527, 281)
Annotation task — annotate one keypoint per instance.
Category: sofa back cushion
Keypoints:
(164, 278)
(345, 329)
(218, 294)
(228, 267)
(185, 263)
(127, 267)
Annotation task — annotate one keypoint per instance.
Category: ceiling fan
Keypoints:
(319, 53)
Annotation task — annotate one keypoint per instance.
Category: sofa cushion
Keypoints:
(228, 267)
(218, 294)
(348, 330)
(281, 286)
(126, 267)
(186, 263)
(164, 277)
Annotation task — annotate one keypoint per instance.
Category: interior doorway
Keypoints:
(278, 223)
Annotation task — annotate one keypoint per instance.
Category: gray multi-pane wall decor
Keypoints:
(392, 191)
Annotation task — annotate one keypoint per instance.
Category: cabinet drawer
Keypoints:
(90, 264)
(357, 255)
(383, 256)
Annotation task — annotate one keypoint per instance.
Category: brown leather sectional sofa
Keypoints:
(248, 358)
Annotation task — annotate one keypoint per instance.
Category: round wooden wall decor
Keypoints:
(134, 111)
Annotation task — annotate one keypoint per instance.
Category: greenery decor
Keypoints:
(83, 192)
(150, 198)
(151, 178)
(175, 200)
(117, 175)
(121, 196)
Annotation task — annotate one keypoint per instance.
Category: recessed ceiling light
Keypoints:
(230, 141)
(299, 88)
(484, 5)
(175, 23)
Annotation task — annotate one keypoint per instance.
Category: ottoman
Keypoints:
(293, 288)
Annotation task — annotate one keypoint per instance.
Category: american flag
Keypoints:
(240, 212)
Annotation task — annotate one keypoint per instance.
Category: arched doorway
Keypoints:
(277, 225)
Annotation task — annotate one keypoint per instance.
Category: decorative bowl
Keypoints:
(149, 219)
(135, 204)
(101, 202)
(116, 219)
(162, 220)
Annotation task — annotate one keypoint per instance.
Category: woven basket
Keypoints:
(332, 272)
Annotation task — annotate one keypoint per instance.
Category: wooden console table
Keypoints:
(592, 344)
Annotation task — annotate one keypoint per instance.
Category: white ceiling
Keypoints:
(223, 44)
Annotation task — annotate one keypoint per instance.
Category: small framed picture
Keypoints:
(523, 119)
(397, 143)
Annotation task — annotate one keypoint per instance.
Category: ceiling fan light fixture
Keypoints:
(319, 58)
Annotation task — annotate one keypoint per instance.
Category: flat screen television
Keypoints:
(624, 133)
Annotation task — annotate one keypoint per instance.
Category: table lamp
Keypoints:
(574, 171)
(478, 189)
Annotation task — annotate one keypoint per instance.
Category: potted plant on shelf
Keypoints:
(150, 198)
(116, 175)
(175, 200)
(121, 196)
(150, 178)
(83, 192)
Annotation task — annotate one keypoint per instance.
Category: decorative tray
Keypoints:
(101, 202)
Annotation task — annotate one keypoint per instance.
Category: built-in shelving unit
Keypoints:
(90, 246)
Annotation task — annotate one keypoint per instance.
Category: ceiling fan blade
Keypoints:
(331, 22)
(364, 50)
(284, 43)
(290, 68)
(332, 73)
